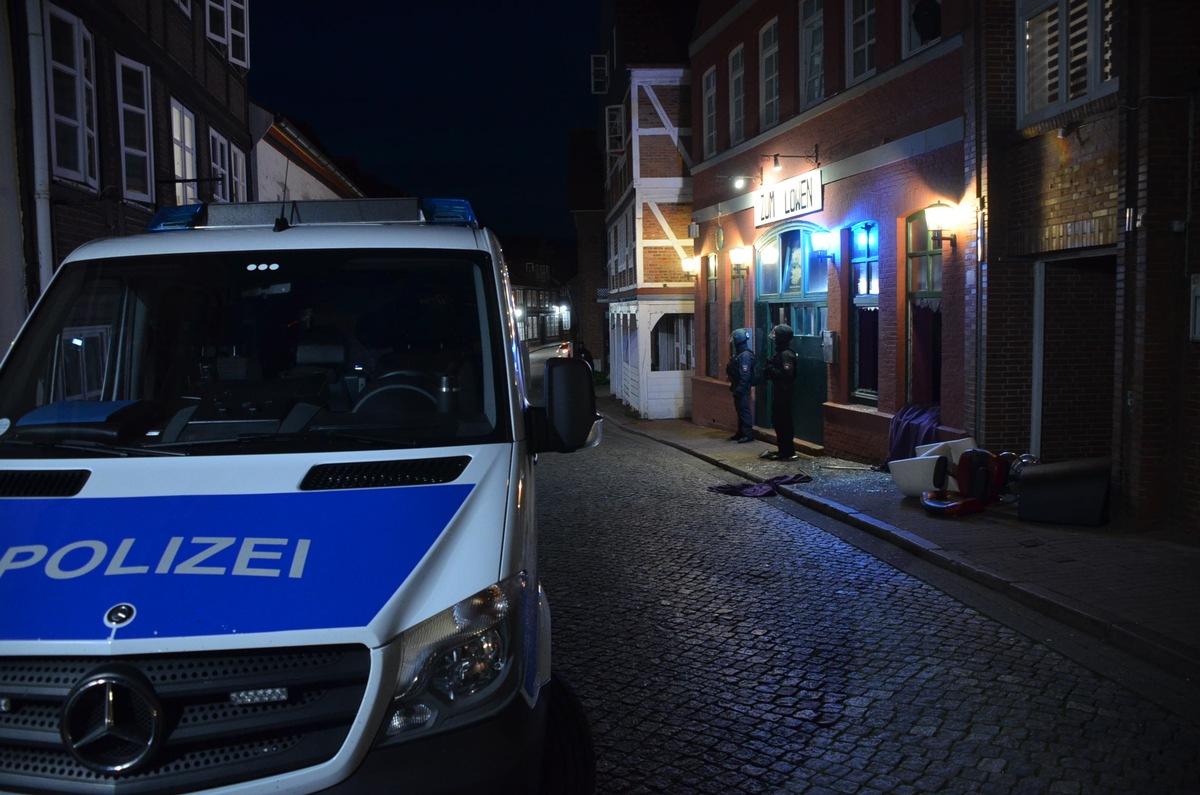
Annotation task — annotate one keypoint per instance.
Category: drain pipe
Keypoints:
(40, 144)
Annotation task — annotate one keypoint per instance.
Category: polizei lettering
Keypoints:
(207, 555)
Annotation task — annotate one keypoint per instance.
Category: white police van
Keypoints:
(267, 510)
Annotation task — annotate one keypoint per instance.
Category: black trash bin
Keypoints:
(1067, 492)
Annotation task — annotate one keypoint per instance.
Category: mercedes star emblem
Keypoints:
(113, 721)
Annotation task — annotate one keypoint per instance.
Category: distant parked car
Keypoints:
(564, 350)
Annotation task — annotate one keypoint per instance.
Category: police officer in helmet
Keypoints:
(781, 374)
(741, 377)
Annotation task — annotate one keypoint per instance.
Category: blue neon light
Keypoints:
(185, 216)
(449, 211)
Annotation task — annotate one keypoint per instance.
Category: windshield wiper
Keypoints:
(90, 447)
(297, 436)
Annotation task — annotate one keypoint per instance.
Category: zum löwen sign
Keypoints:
(787, 199)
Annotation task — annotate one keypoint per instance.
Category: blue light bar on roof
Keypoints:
(185, 216)
(449, 211)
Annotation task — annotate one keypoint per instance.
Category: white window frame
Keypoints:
(861, 39)
(737, 95)
(614, 130)
(183, 148)
(72, 134)
(1098, 77)
(133, 114)
(227, 24)
(218, 165)
(599, 73)
(911, 41)
(237, 175)
(612, 251)
(768, 75)
(812, 51)
(185, 6)
(709, 103)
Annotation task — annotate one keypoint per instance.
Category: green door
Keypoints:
(811, 387)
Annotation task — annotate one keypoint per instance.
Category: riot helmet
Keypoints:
(741, 338)
(782, 335)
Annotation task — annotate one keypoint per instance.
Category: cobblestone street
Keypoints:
(722, 645)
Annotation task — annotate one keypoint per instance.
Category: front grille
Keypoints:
(374, 474)
(210, 741)
(42, 483)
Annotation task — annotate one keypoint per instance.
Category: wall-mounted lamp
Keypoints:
(777, 164)
(742, 180)
(691, 266)
(739, 260)
(937, 218)
(822, 245)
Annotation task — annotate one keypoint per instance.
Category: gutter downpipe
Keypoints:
(40, 143)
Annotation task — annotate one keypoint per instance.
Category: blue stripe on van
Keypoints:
(212, 564)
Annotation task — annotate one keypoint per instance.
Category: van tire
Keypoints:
(569, 759)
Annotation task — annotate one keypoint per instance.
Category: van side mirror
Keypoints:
(567, 420)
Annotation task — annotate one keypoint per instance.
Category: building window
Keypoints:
(183, 147)
(713, 359)
(864, 311)
(629, 244)
(709, 85)
(237, 175)
(671, 343)
(922, 24)
(1066, 55)
(72, 88)
(737, 95)
(860, 46)
(229, 27)
(812, 50)
(218, 155)
(768, 71)
(924, 312)
(614, 131)
(84, 359)
(133, 101)
(924, 259)
(613, 252)
(788, 267)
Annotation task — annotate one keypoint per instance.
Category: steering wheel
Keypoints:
(396, 391)
(415, 374)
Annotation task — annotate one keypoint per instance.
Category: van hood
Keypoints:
(189, 565)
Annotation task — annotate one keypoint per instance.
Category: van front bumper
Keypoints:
(501, 755)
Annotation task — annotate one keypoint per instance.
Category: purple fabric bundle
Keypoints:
(766, 488)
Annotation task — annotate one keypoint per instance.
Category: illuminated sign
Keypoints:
(788, 199)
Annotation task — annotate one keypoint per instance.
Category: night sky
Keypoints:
(464, 99)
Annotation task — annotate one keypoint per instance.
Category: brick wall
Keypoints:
(856, 434)
(659, 157)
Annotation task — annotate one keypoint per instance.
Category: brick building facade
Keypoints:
(1062, 318)
(1087, 349)
(874, 149)
(646, 105)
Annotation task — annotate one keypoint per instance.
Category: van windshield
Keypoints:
(261, 352)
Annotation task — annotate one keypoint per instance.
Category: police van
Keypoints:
(267, 509)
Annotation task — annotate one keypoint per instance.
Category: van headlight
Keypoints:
(461, 664)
